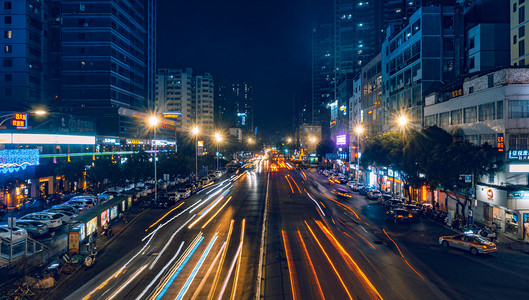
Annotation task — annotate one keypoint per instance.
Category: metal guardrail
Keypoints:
(10, 252)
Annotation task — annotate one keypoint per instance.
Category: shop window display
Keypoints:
(511, 223)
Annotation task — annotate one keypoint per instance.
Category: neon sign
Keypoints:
(340, 140)
(20, 121)
(13, 160)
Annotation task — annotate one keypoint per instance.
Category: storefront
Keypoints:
(519, 200)
(502, 209)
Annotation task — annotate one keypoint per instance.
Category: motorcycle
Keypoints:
(90, 259)
(486, 232)
(107, 232)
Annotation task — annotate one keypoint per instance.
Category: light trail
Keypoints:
(295, 183)
(329, 260)
(116, 274)
(169, 282)
(401, 255)
(201, 285)
(208, 198)
(289, 184)
(309, 261)
(302, 172)
(236, 280)
(227, 279)
(170, 220)
(314, 200)
(138, 272)
(355, 267)
(163, 217)
(219, 268)
(191, 277)
(207, 209)
(167, 244)
(161, 272)
(210, 206)
(361, 236)
(291, 269)
(218, 211)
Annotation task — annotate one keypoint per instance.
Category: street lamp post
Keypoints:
(153, 121)
(402, 122)
(218, 138)
(359, 129)
(195, 132)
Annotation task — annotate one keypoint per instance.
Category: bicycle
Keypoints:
(23, 290)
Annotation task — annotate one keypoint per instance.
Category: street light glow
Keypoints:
(312, 139)
(402, 120)
(195, 130)
(289, 140)
(153, 120)
(218, 137)
(359, 129)
(40, 112)
(250, 140)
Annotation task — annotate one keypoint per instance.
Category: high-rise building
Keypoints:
(323, 77)
(27, 64)
(174, 94)
(177, 90)
(302, 110)
(235, 105)
(420, 58)
(107, 55)
(519, 49)
(203, 102)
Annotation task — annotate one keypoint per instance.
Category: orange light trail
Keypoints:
(304, 174)
(349, 227)
(159, 220)
(289, 184)
(405, 260)
(344, 253)
(291, 269)
(295, 183)
(312, 270)
(329, 260)
(212, 217)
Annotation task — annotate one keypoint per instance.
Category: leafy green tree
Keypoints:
(72, 171)
(105, 171)
(138, 166)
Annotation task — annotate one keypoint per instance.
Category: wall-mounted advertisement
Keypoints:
(104, 217)
(341, 140)
(113, 212)
(91, 226)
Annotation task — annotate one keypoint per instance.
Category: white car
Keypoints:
(184, 193)
(52, 220)
(18, 233)
(84, 203)
(66, 216)
(175, 196)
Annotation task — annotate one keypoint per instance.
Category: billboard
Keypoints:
(341, 140)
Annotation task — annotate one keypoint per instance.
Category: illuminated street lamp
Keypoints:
(402, 121)
(218, 139)
(359, 130)
(153, 122)
(195, 131)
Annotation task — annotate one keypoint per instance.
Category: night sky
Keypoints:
(266, 43)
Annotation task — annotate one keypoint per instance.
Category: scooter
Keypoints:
(90, 259)
(487, 233)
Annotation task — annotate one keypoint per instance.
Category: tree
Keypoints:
(324, 147)
(104, 171)
(72, 171)
(138, 166)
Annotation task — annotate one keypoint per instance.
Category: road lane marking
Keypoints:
(261, 248)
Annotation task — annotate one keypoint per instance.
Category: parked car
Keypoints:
(351, 184)
(341, 178)
(66, 216)
(108, 195)
(373, 194)
(64, 207)
(412, 209)
(392, 203)
(358, 187)
(174, 196)
(52, 220)
(16, 232)
(470, 242)
(164, 202)
(399, 215)
(34, 228)
(184, 193)
(85, 202)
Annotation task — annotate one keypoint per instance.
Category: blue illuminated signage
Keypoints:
(14, 160)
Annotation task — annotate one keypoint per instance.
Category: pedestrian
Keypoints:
(122, 217)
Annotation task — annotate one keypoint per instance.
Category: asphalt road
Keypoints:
(316, 245)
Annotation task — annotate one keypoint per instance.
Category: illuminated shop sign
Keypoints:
(46, 139)
(340, 140)
(519, 154)
(20, 121)
(499, 142)
(14, 160)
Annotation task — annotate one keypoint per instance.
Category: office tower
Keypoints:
(203, 103)
(174, 94)
(107, 55)
(235, 106)
(323, 76)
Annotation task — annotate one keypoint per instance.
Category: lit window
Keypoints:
(8, 34)
(82, 7)
(8, 48)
